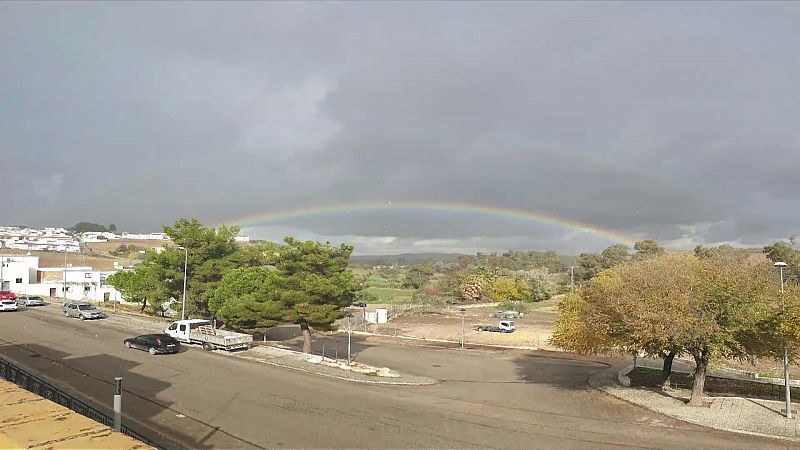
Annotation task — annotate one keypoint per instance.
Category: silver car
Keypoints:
(30, 300)
(82, 311)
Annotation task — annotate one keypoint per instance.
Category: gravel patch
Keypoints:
(735, 414)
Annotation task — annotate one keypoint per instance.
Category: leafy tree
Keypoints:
(590, 264)
(112, 228)
(671, 305)
(206, 247)
(417, 275)
(85, 227)
(648, 248)
(244, 299)
(508, 289)
(314, 283)
(142, 284)
(784, 251)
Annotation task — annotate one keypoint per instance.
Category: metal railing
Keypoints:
(29, 382)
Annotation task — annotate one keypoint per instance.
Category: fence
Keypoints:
(25, 380)
(358, 322)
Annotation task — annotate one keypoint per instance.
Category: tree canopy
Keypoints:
(673, 304)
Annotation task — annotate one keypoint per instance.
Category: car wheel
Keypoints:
(127, 344)
(207, 347)
(152, 351)
(66, 314)
(81, 317)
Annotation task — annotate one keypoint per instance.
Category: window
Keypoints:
(87, 275)
(183, 327)
(173, 326)
(19, 280)
(87, 288)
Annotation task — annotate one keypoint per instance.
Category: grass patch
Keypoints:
(384, 294)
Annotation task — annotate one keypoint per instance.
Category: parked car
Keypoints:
(359, 305)
(8, 305)
(82, 311)
(154, 343)
(7, 295)
(31, 300)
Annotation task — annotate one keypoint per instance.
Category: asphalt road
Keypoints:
(485, 399)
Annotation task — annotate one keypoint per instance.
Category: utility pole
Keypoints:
(781, 265)
(463, 313)
(572, 278)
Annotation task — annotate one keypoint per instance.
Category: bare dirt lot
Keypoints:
(533, 329)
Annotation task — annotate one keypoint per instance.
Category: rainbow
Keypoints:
(405, 205)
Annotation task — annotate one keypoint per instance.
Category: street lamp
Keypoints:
(463, 313)
(349, 326)
(185, 271)
(781, 265)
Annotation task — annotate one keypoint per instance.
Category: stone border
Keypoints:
(604, 382)
(329, 375)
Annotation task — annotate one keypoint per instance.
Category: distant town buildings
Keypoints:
(60, 240)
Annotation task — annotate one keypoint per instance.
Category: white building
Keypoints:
(145, 236)
(22, 275)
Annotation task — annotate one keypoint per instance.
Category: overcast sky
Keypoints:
(671, 121)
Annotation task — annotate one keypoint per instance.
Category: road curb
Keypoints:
(300, 369)
(621, 370)
(443, 341)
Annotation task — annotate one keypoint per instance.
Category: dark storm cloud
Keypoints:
(675, 122)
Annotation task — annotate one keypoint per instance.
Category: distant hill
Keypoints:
(402, 259)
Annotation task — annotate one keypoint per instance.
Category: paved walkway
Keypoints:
(737, 414)
(314, 364)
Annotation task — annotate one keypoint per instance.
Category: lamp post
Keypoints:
(463, 313)
(65, 274)
(781, 265)
(572, 278)
(185, 276)
(349, 327)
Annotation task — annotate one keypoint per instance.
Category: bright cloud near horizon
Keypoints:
(668, 121)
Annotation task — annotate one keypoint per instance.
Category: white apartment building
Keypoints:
(23, 276)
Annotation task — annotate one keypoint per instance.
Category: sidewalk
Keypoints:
(359, 373)
(740, 415)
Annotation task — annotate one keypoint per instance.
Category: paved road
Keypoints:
(485, 399)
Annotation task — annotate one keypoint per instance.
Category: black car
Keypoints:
(154, 343)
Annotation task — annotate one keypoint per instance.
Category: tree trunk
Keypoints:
(306, 337)
(699, 384)
(666, 371)
(144, 305)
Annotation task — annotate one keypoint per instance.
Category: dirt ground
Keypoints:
(533, 329)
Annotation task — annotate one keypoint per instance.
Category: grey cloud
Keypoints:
(646, 118)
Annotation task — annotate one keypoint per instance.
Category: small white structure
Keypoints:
(382, 315)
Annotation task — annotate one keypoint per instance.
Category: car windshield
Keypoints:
(86, 307)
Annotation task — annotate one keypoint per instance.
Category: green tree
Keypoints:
(784, 251)
(648, 248)
(244, 299)
(417, 275)
(207, 249)
(85, 227)
(142, 284)
(112, 228)
(590, 264)
(314, 283)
